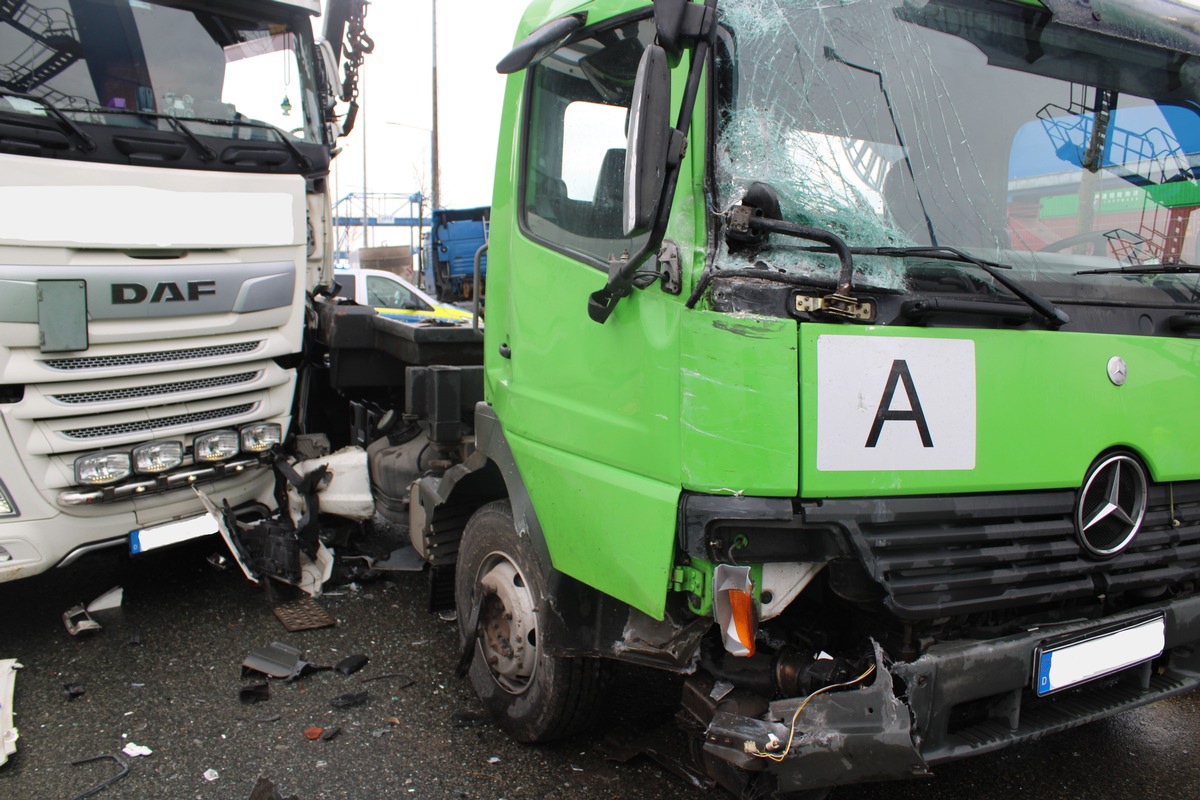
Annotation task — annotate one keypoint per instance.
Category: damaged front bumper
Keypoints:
(958, 699)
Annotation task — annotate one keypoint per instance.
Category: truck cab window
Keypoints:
(574, 168)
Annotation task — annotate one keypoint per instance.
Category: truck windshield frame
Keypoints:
(175, 84)
(1057, 151)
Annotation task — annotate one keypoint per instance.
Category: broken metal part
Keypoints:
(349, 700)
(303, 614)
(351, 664)
(255, 694)
(279, 660)
(857, 735)
(8, 734)
(624, 745)
(73, 690)
(227, 527)
(104, 784)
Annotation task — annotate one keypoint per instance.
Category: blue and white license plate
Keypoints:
(1061, 664)
(171, 533)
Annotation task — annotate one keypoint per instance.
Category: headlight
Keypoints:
(215, 446)
(157, 457)
(100, 468)
(261, 437)
(7, 507)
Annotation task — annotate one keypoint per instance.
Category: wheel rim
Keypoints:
(508, 637)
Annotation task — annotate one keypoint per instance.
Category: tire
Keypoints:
(533, 696)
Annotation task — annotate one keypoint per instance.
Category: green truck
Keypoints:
(841, 357)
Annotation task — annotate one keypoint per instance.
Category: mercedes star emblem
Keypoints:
(1112, 503)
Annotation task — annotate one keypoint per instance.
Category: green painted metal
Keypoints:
(1045, 410)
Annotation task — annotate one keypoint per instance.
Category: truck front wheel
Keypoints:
(534, 696)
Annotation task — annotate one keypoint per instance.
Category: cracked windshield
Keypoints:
(1051, 149)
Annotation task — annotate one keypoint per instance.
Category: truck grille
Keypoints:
(157, 390)
(953, 555)
(158, 424)
(159, 357)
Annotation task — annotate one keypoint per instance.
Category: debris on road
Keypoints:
(469, 719)
(279, 660)
(349, 700)
(303, 614)
(211, 775)
(264, 789)
(313, 733)
(134, 750)
(79, 619)
(73, 690)
(255, 694)
(8, 734)
(107, 782)
(351, 664)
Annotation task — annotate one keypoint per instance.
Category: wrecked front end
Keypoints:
(910, 644)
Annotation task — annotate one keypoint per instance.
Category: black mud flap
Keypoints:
(839, 738)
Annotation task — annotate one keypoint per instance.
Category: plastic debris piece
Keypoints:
(351, 664)
(73, 690)
(278, 660)
(8, 734)
(134, 750)
(349, 700)
(255, 694)
(448, 615)
(218, 561)
(78, 621)
(135, 636)
(330, 733)
(104, 784)
(313, 733)
(303, 614)
(108, 601)
(393, 720)
(211, 775)
(494, 760)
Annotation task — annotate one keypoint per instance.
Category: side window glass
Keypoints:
(384, 293)
(574, 171)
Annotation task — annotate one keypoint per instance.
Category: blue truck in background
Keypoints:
(449, 265)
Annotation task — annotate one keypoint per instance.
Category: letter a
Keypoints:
(885, 414)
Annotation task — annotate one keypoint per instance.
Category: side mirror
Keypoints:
(648, 143)
(539, 44)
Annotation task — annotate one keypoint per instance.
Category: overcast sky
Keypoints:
(472, 37)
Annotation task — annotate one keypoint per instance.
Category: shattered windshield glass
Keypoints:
(981, 125)
(136, 64)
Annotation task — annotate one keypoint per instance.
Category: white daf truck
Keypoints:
(163, 211)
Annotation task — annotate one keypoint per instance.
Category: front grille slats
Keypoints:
(941, 557)
(191, 354)
(157, 390)
(162, 423)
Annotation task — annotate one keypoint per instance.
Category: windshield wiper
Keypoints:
(88, 143)
(1160, 269)
(1054, 315)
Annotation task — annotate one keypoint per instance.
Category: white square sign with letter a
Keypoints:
(887, 403)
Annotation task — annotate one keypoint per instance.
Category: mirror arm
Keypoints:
(621, 269)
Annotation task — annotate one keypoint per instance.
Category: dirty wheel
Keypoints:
(534, 696)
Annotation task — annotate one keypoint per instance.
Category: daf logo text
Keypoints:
(166, 292)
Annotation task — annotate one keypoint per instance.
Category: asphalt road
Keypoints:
(419, 733)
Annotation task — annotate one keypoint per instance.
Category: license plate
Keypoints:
(171, 533)
(1068, 662)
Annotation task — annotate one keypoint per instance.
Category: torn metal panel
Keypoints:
(229, 535)
(8, 733)
(842, 737)
(107, 607)
(303, 614)
(279, 660)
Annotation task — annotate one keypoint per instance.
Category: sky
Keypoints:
(396, 90)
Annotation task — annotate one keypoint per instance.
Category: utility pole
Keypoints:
(366, 212)
(436, 201)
